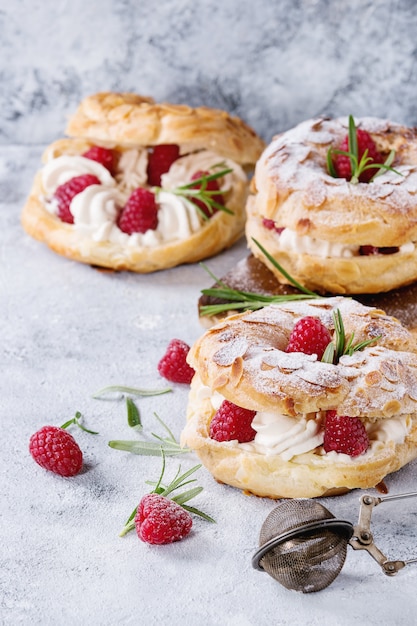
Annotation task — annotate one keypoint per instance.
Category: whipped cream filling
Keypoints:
(131, 170)
(96, 209)
(60, 170)
(291, 241)
(291, 437)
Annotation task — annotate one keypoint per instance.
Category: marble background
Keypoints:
(68, 330)
(272, 63)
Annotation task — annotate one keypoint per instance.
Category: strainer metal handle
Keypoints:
(340, 527)
(362, 538)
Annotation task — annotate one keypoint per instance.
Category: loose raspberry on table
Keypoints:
(365, 142)
(232, 422)
(212, 185)
(67, 191)
(345, 434)
(56, 450)
(159, 520)
(140, 212)
(309, 336)
(173, 366)
(159, 162)
(105, 156)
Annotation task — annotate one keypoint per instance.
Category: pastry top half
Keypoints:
(329, 232)
(243, 360)
(200, 142)
(130, 120)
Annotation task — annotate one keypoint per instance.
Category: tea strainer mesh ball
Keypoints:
(302, 546)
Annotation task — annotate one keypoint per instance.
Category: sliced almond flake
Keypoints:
(288, 361)
(228, 354)
(322, 377)
(390, 371)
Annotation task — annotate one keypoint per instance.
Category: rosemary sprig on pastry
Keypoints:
(204, 192)
(250, 301)
(361, 161)
(342, 346)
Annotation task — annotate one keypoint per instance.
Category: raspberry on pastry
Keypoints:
(321, 427)
(333, 230)
(132, 143)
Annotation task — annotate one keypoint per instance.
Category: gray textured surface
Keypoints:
(273, 63)
(68, 330)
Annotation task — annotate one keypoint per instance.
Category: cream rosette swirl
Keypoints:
(329, 233)
(243, 361)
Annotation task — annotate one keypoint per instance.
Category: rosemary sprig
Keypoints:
(358, 166)
(133, 415)
(198, 190)
(133, 391)
(76, 420)
(167, 445)
(249, 301)
(342, 346)
(178, 482)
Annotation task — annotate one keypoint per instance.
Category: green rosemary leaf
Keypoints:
(279, 267)
(147, 448)
(127, 528)
(203, 180)
(329, 353)
(192, 509)
(179, 481)
(340, 334)
(353, 144)
(187, 495)
(330, 166)
(249, 305)
(361, 345)
(133, 415)
(131, 390)
(171, 436)
(76, 420)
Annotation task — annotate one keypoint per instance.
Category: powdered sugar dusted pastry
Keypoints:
(268, 416)
(330, 232)
(143, 186)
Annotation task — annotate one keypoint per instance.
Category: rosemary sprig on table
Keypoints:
(133, 391)
(358, 166)
(250, 301)
(341, 346)
(167, 445)
(179, 481)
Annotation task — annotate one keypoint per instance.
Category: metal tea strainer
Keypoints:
(303, 546)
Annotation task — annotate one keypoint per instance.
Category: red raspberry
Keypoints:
(212, 185)
(232, 422)
(159, 520)
(66, 192)
(140, 212)
(160, 160)
(173, 366)
(270, 225)
(365, 142)
(56, 450)
(309, 336)
(105, 156)
(345, 434)
(372, 250)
